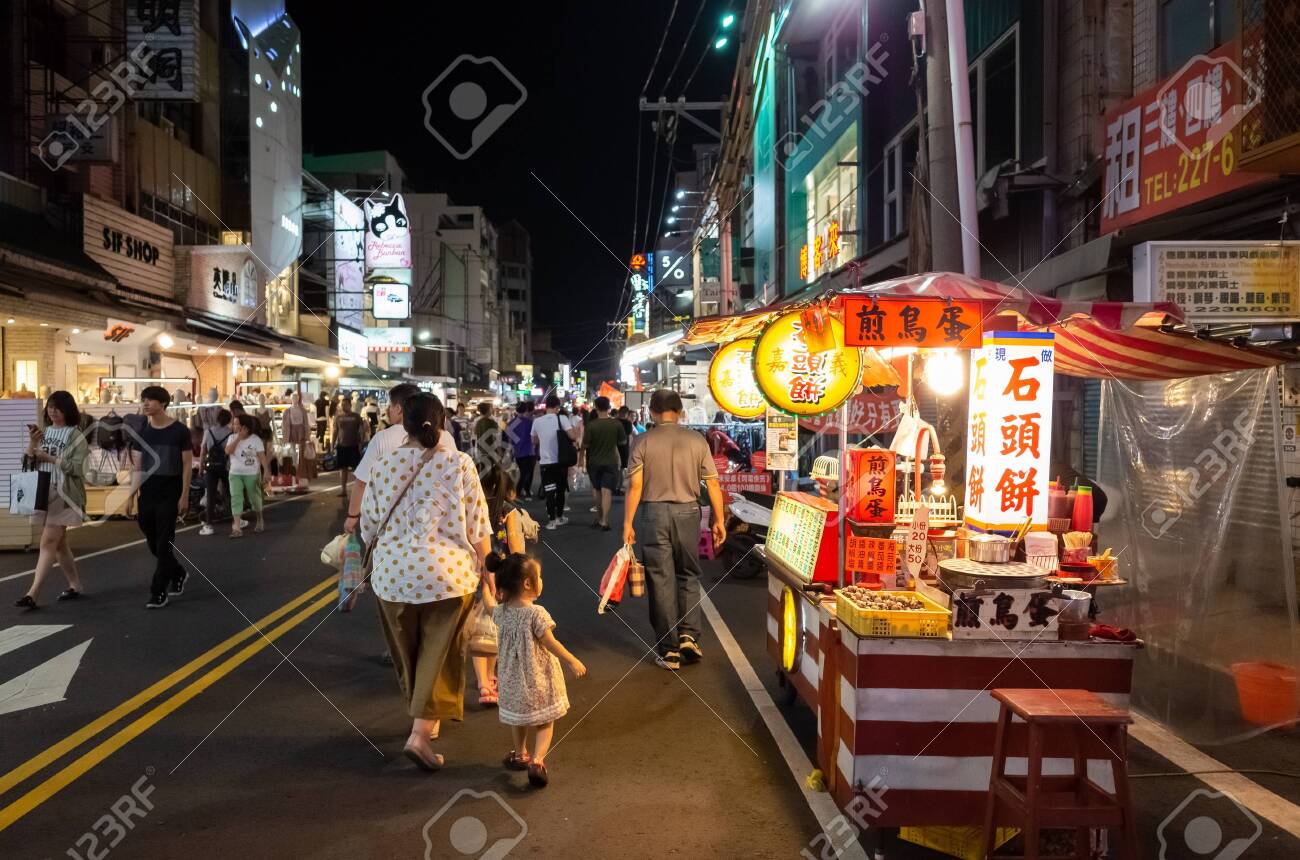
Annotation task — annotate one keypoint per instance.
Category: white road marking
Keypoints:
(44, 685)
(13, 638)
(1251, 795)
(820, 802)
(129, 544)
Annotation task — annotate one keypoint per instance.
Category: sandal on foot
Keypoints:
(515, 761)
(414, 754)
(69, 594)
(487, 697)
(25, 602)
(537, 775)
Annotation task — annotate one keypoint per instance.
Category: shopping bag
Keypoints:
(29, 492)
(332, 552)
(352, 575)
(611, 584)
(636, 578)
(579, 482)
(480, 631)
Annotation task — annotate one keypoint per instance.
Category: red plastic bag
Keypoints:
(611, 584)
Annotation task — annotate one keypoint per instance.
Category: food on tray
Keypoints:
(876, 600)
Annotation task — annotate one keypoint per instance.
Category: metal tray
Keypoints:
(964, 574)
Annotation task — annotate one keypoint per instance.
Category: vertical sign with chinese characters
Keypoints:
(641, 282)
(869, 489)
(782, 442)
(1008, 437)
(169, 30)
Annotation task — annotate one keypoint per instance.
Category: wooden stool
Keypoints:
(1035, 802)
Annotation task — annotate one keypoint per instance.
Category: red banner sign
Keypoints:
(869, 488)
(1179, 142)
(930, 323)
(868, 413)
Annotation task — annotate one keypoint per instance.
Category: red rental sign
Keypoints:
(1179, 142)
(929, 323)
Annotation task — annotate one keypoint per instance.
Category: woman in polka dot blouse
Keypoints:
(427, 565)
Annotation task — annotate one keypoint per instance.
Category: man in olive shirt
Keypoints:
(601, 438)
(665, 469)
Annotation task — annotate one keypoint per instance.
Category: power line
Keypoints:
(682, 51)
(662, 40)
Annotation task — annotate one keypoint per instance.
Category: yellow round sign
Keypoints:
(801, 382)
(731, 380)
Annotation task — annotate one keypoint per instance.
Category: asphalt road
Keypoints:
(250, 719)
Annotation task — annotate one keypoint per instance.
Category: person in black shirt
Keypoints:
(163, 445)
(322, 418)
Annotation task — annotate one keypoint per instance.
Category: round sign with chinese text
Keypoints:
(800, 382)
(731, 380)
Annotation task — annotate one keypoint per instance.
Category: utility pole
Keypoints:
(940, 139)
(964, 138)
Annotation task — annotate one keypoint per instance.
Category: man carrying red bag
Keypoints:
(665, 469)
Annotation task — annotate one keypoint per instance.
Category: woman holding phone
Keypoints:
(60, 449)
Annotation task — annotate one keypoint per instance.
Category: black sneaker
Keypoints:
(158, 601)
(691, 652)
(672, 661)
(178, 584)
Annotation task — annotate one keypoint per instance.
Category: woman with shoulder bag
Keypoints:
(424, 521)
(61, 450)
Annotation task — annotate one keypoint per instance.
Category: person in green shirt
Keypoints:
(601, 438)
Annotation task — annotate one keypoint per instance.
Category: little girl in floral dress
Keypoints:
(530, 681)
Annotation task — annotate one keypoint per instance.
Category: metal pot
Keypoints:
(990, 549)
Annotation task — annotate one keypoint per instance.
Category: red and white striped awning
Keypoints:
(1088, 349)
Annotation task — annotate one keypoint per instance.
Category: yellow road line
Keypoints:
(99, 724)
(54, 784)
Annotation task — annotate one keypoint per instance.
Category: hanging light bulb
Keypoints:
(943, 371)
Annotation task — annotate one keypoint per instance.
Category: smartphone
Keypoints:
(31, 428)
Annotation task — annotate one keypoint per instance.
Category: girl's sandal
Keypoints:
(487, 696)
(537, 775)
(515, 761)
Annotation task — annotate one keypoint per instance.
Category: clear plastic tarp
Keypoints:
(1196, 512)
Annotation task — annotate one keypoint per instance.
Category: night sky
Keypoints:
(582, 64)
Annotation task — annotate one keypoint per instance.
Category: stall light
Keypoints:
(10, 321)
(212, 352)
(943, 372)
(426, 335)
(76, 331)
(165, 341)
(332, 371)
(229, 354)
(45, 325)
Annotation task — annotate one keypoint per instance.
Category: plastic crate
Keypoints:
(963, 842)
(928, 623)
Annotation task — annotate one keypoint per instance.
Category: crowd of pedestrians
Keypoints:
(435, 502)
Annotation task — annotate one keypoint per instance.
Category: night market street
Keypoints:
(244, 754)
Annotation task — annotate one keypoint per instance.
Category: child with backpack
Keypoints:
(214, 465)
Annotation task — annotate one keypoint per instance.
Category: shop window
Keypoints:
(832, 210)
(995, 102)
(25, 376)
(899, 164)
(1191, 27)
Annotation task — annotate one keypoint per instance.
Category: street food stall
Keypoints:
(895, 609)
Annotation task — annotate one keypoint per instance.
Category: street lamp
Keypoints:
(720, 43)
(727, 20)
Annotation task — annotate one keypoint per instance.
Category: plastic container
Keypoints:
(1267, 693)
(1081, 519)
(1058, 504)
(928, 623)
